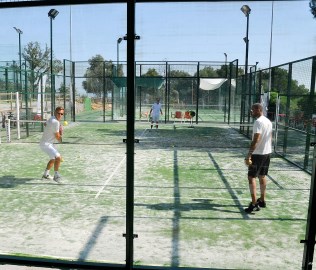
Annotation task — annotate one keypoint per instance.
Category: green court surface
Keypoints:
(191, 189)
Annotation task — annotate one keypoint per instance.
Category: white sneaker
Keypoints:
(48, 177)
(57, 178)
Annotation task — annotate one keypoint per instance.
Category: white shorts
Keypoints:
(155, 118)
(50, 150)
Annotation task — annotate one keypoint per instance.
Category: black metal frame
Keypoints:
(39, 3)
(309, 241)
(311, 221)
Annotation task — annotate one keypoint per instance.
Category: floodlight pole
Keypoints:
(52, 14)
(270, 54)
(226, 63)
(246, 10)
(19, 31)
(119, 40)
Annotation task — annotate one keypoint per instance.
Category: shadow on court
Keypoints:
(177, 207)
(10, 181)
(228, 187)
(197, 204)
(84, 253)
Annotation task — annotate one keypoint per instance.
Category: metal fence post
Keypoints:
(309, 241)
(310, 113)
(130, 132)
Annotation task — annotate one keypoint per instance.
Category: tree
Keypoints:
(38, 61)
(280, 86)
(223, 71)
(151, 72)
(181, 84)
(94, 75)
(208, 72)
(150, 85)
(280, 82)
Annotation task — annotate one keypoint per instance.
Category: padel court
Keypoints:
(133, 197)
(190, 193)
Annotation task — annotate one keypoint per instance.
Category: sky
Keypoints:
(197, 31)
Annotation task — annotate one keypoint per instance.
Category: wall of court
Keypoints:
(286, 90)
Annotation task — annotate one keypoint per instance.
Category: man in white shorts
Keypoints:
(52, 132)
(155, 112)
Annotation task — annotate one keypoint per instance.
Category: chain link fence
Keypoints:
(189, 91)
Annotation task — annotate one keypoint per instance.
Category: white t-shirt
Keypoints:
(263, 126)
(156, 109)
(52, 126)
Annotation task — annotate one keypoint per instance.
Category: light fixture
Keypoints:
(19, 31)
(246, 10)
(53, 13)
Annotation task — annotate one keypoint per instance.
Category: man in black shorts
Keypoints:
(258, 158)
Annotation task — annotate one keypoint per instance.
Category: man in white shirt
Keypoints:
(52, 132)
(155, 112)
(258, 158)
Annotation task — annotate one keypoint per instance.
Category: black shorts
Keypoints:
(260, 165)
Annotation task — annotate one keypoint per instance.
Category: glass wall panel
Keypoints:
(191, 183)
(83, 218)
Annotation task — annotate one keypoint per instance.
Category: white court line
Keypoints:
(113, 173)
(110, 177)
(143, 132)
